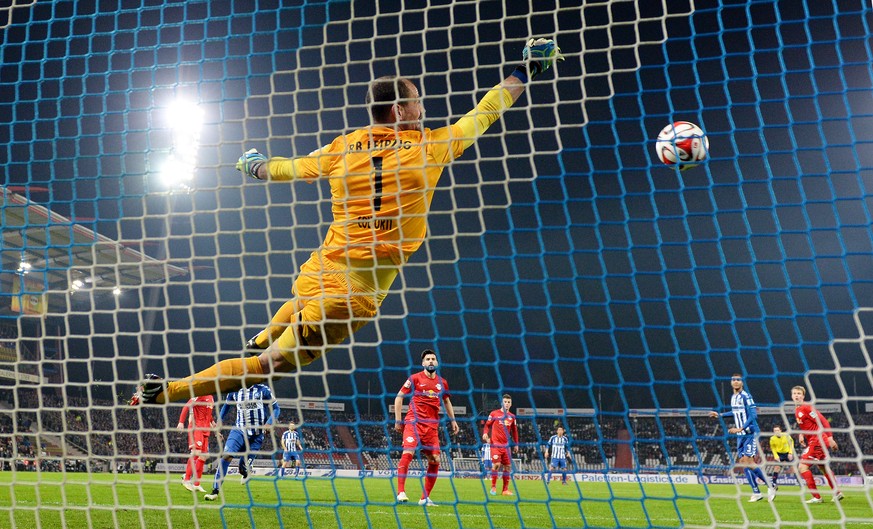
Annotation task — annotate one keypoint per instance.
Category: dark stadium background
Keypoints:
(607, 281)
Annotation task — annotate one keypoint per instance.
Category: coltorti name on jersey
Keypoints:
(368, 222)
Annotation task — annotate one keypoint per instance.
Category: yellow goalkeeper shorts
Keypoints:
(333, 307)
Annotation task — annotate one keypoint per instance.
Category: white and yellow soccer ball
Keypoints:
(682, 143)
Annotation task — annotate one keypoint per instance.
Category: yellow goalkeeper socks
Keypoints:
(227, 375)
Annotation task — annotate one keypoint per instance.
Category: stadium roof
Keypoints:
(59, 251)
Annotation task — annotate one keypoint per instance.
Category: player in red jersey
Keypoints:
(422, 423)
(200, 423)
(810, 420)
(502, 424)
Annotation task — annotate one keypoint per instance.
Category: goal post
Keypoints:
(611, 296)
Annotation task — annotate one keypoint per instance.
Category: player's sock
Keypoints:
(810, 482)
(760, 475)
(493, 478)
(227, 375)
(505, 480)
(198, 470)
(548, 478)
(402, 470)
(431, 477)
(828, 475)
(563, 477)
(750, 477)
(281, 472)
(775, 478)
(189, 468)
(220, 472)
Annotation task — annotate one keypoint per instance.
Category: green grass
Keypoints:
(28, 500)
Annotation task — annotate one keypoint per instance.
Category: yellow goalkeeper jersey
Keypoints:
(781, 444)
(382, 181)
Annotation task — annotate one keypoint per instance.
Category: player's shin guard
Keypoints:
(402, 470)
(810, 482)
(227, 375)
(429, 481)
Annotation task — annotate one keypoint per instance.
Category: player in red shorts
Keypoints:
(200, 423)
(422, 428)
(810, 420)
(502, 425)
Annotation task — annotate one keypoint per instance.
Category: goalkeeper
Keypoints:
(382, 179)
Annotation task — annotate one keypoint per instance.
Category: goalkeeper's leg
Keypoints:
(299, 345)
(325, 320)
(278, 325)
(285, 355)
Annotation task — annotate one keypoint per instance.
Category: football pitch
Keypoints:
(157, 501)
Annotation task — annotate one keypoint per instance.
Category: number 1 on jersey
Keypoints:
(377, 183)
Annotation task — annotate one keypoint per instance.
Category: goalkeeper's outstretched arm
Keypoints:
(538, 56)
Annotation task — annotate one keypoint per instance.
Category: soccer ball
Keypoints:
(682, 143)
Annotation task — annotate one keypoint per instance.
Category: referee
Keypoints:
(782, 446)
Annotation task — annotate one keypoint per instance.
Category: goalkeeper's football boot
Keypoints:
(149, 391)
(427, 503)
(402, 498)
(837, 497)
(252, 348)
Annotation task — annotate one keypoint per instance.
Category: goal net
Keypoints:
(611, 296)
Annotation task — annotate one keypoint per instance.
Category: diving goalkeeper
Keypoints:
(382, 179)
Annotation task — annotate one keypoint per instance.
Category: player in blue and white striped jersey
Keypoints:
(745, 413)
(253, 416)
(291, 450)
(557, 449)
(485, 457)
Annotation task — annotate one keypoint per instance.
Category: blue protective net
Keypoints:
(609, 294)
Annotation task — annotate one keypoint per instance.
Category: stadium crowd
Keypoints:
(107, 434)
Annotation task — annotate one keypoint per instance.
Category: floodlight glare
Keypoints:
(175, 172)
(116, 291)
(185, 119)
(24, 267)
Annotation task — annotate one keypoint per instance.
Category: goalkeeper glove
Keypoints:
(249, 163)
(538, 55)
